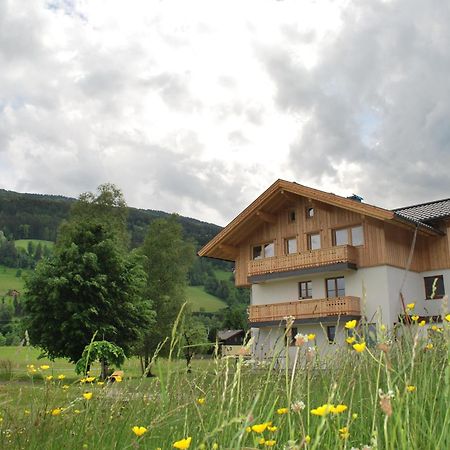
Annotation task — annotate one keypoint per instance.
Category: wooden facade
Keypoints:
(291, 211)
(306, 309)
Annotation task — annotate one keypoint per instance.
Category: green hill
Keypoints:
(23, 243)
(202, 301)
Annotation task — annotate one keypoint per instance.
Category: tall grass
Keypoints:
(397, 396)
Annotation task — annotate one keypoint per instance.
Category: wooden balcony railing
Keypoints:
(306, 309)
(312, 258)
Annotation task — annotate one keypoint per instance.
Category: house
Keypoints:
(323, 259)
(231, 342)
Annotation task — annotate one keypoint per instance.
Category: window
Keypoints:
(434, 287)
(291, 246)
(263, 251)
(304, 289)
(290, 339)
(335, 287)
(331, 333)
(313, 241)
(309, 213)
(291, 216)
(352, 236)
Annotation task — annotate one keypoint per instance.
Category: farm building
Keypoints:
(321, 260)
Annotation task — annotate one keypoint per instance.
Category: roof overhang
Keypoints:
(225, 245)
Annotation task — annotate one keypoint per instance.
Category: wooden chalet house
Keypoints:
(325, 259)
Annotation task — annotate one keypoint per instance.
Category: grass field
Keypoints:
(23, 243)
(395, 396)
(223, 275)
(8, 279)
(198, 298)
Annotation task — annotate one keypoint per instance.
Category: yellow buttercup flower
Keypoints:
(27, 412)
(343, 433)
(270, 443)
(350, 340)
(359, 347)
(383, 327)
(261, 441)
(311, 336)
(90, 379)
(354, 416)
(118, 378)
(415, 318)
(56, 411)
(215, 446)
(87, 395)
(350, 324)
(429, 346)
(447, 317)
(65, 386)
(259, 428)
(61, 377)
(183, 443)
(45, 367)
(100, 383)
(77, 411)
(139, 431)
(201, 400)
(49, 377)
(322, 410)
(272, 429)
(248, 429)
(307, 438)
(422, 323)
(410, 388)
(281, 411)
(338, 409)
(410, 306)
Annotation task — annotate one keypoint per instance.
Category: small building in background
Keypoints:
(231, 342)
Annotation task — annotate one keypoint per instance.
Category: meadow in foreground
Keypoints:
(395, 395)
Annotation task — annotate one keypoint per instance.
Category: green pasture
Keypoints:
(23, 243)
(223, 275)
(8, 279)
(198, 298)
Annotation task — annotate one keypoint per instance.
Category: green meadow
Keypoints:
(10, 280)
(395, 395)
(202, 301)
(23, 243)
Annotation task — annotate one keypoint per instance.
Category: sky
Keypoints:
(197, 107)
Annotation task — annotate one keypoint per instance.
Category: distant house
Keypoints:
(231, 342)
(321, 260)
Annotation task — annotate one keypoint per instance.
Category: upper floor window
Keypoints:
(434, 287)
(304, 289)
(335, 287)
(309, 213)
(314, 241)
(263, 250)
(291, 216)
(352, 236)
(290, 245)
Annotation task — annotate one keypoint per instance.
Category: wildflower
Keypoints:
(61, 377)
(183, 444)
(100, 383)
(354, 416)
(415, 318)
(350, 324)
(429, 346)
(65, 386)
(350, 340)
(338, 409)
(410, 388)
(49, 377)
(261, 441)
(322, 410)
(139, 431)
(45, 367)
(311, 336)
(307, 439)
(201, 400)
(259, 428)
(422, 323)
(270, 443)
(447, 317)
(87, 395)
(298, 406)
(117, 378)
(215, 446)
(77, 411)
(272, 429)
(27, 412)
(410, 306)
(343, 433)
(248, 429)
(383, 327)
(56, 411)
(83, 380)
(359, 347)
(300, 339)
(281, 411)
(90, 379)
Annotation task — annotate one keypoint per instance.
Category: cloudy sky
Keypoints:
(196, 107)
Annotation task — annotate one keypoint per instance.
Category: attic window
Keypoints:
(309, 213)
(291, 216)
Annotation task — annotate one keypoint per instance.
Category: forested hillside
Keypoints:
(37, 216)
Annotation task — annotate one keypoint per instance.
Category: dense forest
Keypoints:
(38, 216)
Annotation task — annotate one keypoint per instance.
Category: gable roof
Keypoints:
(426, 212)
(224, 244)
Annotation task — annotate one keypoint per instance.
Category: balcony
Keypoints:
(306, 309)
(312, 258)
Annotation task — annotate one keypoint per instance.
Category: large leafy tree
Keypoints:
(167, 261)
(90, 285)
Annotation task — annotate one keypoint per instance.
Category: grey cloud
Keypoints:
(390, 59)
